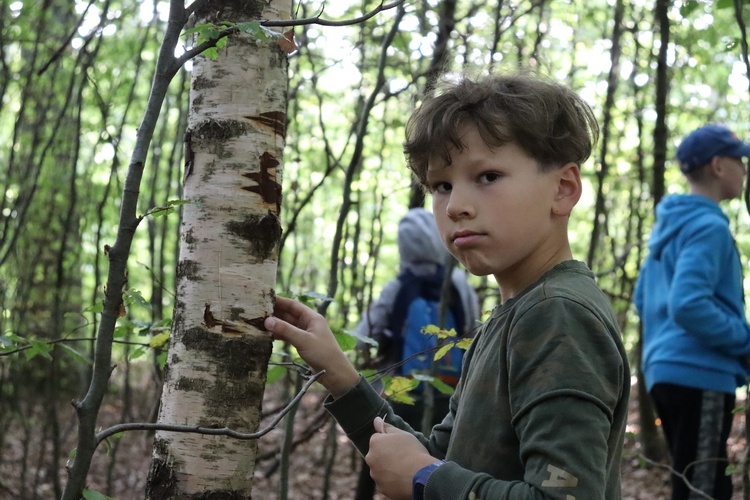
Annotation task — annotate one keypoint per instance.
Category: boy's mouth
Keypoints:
(465, 238)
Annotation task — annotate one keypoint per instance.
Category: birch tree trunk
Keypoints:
(218, 352)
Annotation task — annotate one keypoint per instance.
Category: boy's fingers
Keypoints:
(379, 425)
(279, 329)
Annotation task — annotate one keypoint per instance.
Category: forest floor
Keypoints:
(310, 460)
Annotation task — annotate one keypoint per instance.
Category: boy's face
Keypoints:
(498, 214)
(733, 175)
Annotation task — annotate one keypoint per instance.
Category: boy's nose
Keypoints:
(459, 205)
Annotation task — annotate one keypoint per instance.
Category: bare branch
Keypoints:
(324, 22)
(198, 49)
(213, 431)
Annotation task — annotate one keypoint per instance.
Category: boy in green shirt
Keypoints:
(541, 407)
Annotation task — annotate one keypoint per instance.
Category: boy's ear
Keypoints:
(568, 190)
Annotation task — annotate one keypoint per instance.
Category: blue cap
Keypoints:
(700, 146)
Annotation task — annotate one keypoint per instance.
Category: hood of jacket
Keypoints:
(419, 244)
(676, 211)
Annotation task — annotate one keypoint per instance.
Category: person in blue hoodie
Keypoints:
(689, 295)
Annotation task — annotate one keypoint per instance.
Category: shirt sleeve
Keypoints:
(693, 304)
(356, 410)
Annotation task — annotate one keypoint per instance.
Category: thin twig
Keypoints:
(213, 431)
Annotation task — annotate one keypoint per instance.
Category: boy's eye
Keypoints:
(441, 187)
(488, 177)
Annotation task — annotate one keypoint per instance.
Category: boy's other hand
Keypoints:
(394, 457)
(309, 332)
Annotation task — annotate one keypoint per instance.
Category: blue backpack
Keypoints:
(416, 306)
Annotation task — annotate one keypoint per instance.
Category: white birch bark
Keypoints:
(218, 352)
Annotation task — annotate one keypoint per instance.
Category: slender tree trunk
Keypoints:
(600, 211)
(653, 444)
(230, 231)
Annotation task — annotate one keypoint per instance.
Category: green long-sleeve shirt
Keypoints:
(541, 408)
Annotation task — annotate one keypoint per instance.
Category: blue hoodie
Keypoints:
(690, 298)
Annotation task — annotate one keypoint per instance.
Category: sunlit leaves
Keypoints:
(159, 340)
(398, 388)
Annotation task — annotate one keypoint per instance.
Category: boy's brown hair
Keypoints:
(548, 121)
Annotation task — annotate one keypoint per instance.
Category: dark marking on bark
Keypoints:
(201, 82)
(162, 482)
(266, 187)
(220, 495)
(275, 120)
(189, 159)
(219, 130)
(188, 269)
(188, 237)
(208, 317)
(236, 359)
(191, 384)
(263, 233)
(208, 171)
(235, 313)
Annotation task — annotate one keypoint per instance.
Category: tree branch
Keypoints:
(213, 431)
(324, 22)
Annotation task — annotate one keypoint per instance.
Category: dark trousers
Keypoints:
(696, 424)
(412, 415)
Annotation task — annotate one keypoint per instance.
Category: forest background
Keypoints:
(75, 79)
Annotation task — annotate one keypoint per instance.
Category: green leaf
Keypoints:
(137, 353)
(431, 330)
(441, 386)
(76, 355)
(252, 27)
(724, 4)
(38, 348)
(274, 373)
(161, 358)
(398, 389)
(177, 203)
(362, 338)
(464, 343)
(159, 340)
(440, 353)
(211, 53)
(133, 296)
(122, 331)
(346, 342)
(162, 212)
(96, 308)
(94, 495)
(10, 339)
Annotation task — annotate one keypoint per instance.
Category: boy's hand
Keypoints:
(308, 331)
(394, 457)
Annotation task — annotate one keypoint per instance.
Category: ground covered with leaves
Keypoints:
(323, 464)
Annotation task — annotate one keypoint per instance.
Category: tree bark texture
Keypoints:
(219, 352)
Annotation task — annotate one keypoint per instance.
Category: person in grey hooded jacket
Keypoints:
(423, 254)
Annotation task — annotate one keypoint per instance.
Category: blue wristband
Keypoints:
(420, 479)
